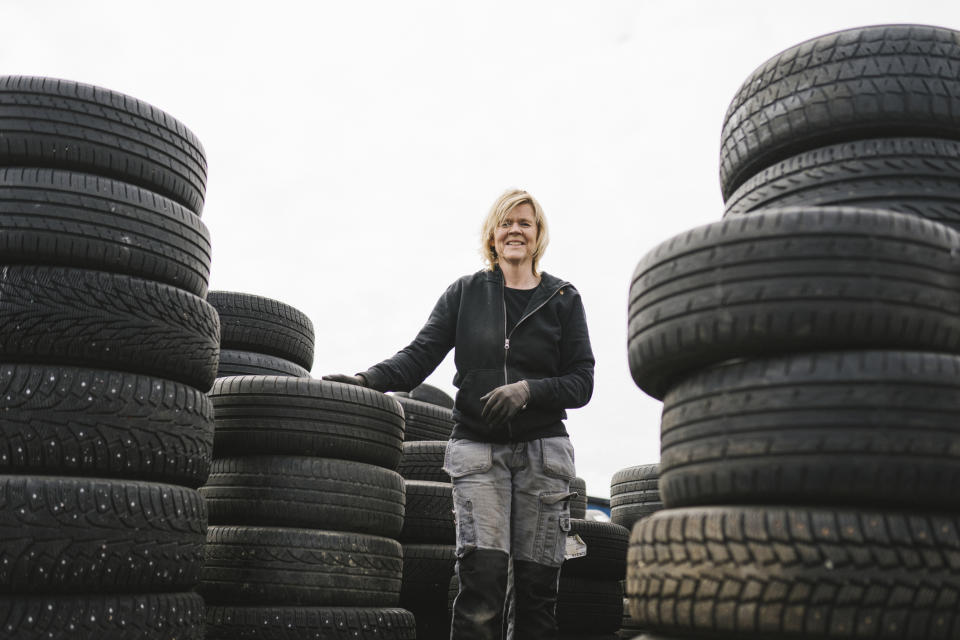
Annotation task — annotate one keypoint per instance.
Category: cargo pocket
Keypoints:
(463, 457)
(552, 528)
(557, 457)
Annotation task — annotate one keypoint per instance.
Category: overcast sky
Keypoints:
(354, 147)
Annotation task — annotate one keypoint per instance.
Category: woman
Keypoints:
(523, 355)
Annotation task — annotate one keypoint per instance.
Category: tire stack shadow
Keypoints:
(805, 349)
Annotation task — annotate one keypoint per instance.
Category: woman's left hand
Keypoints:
(504, 402)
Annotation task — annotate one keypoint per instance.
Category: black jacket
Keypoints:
(549, 348)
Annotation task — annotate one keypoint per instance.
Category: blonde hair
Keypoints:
(501, 207)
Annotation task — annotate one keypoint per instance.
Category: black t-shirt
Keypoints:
(516, 301)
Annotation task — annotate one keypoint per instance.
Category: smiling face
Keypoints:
(515, 238)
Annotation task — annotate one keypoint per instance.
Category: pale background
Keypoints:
(354, 147)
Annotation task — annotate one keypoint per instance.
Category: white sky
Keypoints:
(354, 147)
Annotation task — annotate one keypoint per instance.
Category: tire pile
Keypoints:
(108, 348)
(807, 358)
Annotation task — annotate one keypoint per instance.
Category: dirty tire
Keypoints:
(423, 460)
(92, 422)
(307, 492)
(157, 616)
(429, 513)
(586, 605)
(425, 421)
(62, 124)
(267, 565)
(64, 535)
(792, 280)
(309, 623)
(430, 394)
(606, 557)
(264, 325)
(870, 82)
(303, 416)
(795, 572)
(872, 428)
(427, 569)
(78, 317)
(248, 363)
(578, 503)
(919, 176)
(634, 494)
(54, 217)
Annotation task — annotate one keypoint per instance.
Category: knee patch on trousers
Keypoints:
(466, 525)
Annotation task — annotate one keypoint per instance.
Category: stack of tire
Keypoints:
(108, 347)
(262, 336)
(807, 361)
(305, 511)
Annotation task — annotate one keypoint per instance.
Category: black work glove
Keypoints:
(356, 380)
(504, 402)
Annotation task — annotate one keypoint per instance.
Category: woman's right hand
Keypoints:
(358, 380)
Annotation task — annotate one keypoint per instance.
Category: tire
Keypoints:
(283, 566)
(54, 217)
(578, 503)
(305, 492)
(871, 82)
(64, 535)
(300, 416)
(795, 572)
(429, 394)
(91, 422)
(429, 513)
(309, 623)
(67, 316)
(423, 460)
(263, 325)
(919, 176)
(248, 363)
(594, 606)
(606, 557)
(157, 616)
(425, 421)
(792, 280)
(873, 428)
(427, 569)
(634, 494)
(62, 124)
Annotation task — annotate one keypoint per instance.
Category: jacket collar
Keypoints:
(548, 285)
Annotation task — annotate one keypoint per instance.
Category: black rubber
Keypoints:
(264, 325)
(248, 363)
(578, 503)
(870, 82)
(285, 566)
(54, 123)
(55, 217)
(427, 569)
(301, 416)
(873, 428)
(782, 572)
(429, 513)
(309, 623)
(792, 280)
(587, 605)
(425, 421)
(606, 557)
(423, 460)
(67, 316)
(63, 535)
(634, 494)
(307, 492)
(919, 176)
(92, 422)
(153, 616)
(428, 393)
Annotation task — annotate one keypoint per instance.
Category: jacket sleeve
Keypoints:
(574, 386)
(411, 365)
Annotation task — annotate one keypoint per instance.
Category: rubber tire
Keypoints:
(65, 316)
(425, 421)
(792, 572)
(93, 422)
(309, 623)
(285, 566)
(301, 416)
(305, 492)
(429, 513)
(792, 280)
(578, 503)
(870, 82)
(873, 428)
(919, 176)
(248, 363)
(634, 494)
(585, 605)
(264, 325)
(55, 217)
(427, 569)
(606, 557)
(63, 535)
(62, 124)
(430, 394)
(423, 460)
(157, 616)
